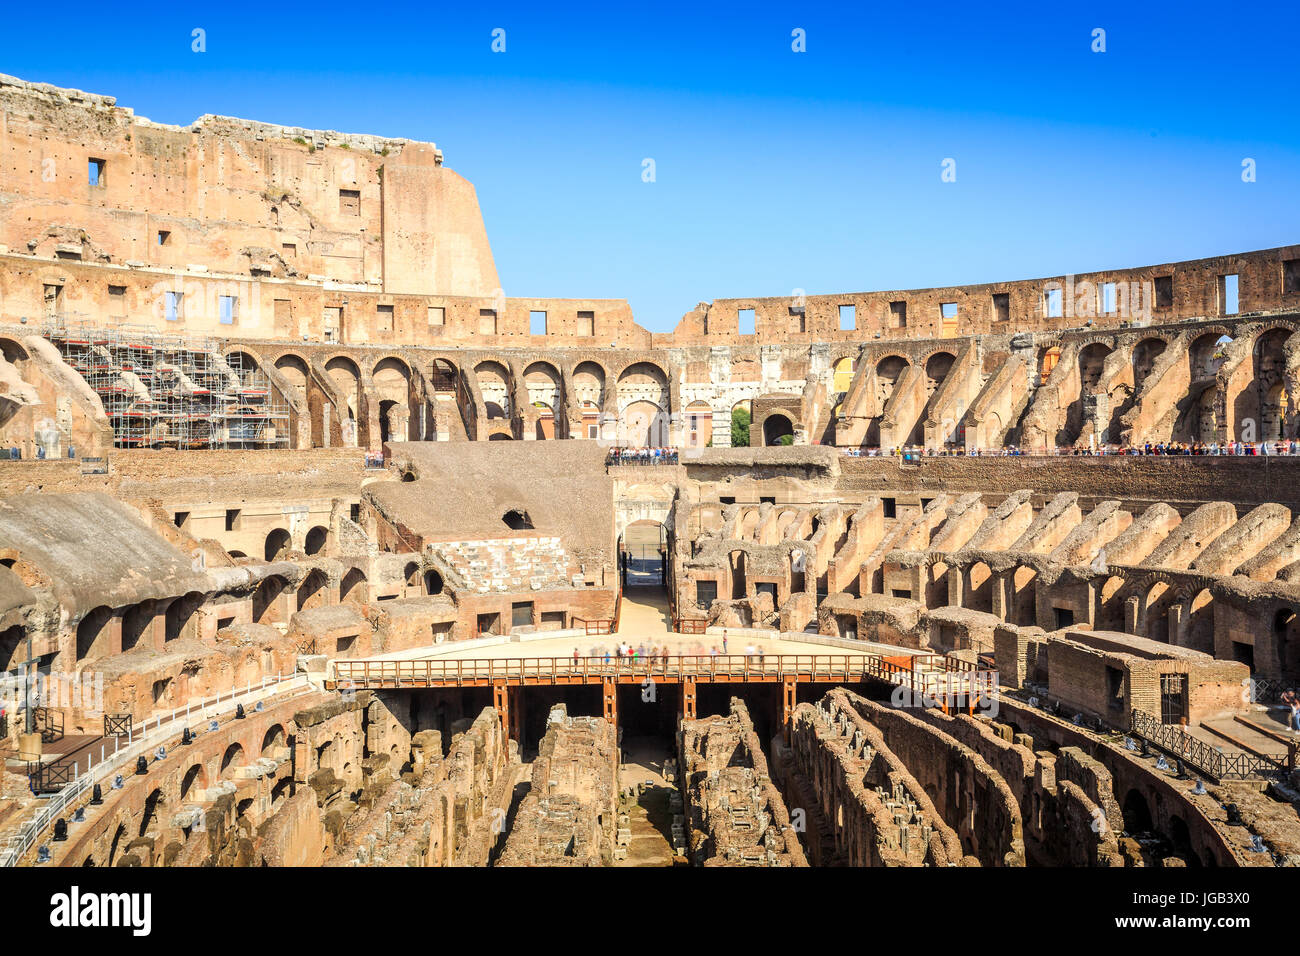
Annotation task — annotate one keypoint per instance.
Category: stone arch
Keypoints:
(494, 385)
(137, 624)
(1204, 353)
(543, 383)
(354, 585)
(433, 583)
(274, 740)
(94, 634)
(181, 616)
(316, 539)
(645, 425)
(979, 594)
(1199, 630)
(1159, 595)
(842, 373)
(1024, 596)
(346, 376)
(277, 541)
(233, 757)
(268, 600)
(152, 810)
(194, 779)
(1137, 813)
(778, 429)
(13, 352)
(1145, 354)
(589, 383)
(643, 382)
(312, 592)
(937, 367)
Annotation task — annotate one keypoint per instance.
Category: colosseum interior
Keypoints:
(318, 550)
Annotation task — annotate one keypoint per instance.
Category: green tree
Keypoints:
(739, 427)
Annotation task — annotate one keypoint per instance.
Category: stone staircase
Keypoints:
(512, 564)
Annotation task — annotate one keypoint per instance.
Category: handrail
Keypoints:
(936, 686)
(144, 744)
(1204, 757)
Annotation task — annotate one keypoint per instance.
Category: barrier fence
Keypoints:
(931, 678)
(1209, 760)
(141, 744)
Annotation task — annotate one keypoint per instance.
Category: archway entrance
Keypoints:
(642, 554)
(642, 562)
(777, 430)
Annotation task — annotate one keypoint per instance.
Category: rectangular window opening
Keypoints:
(1001, 307)
(1228, 287)
(745, 321)
(1291, 277)
(95, 171)
(1053, 303)
(848, 318)
(537, 323)
(226, 306)
(1164, 287)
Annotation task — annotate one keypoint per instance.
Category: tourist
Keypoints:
(724, 641)
(1292, 702)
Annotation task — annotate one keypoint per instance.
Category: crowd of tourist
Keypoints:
(658, 655)
(641, 456)
(1285, 447)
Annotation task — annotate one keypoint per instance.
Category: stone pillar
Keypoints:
(1178, 621)
(956, 585)
(1134, 614)
(1001, 588)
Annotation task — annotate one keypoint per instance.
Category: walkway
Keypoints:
(650, 819)
(644, 613)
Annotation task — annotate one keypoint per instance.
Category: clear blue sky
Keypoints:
(775, 170)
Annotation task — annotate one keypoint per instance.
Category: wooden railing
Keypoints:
(596, 625)
(932, 683)
(689, 625)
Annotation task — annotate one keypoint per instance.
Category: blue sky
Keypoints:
(774, 170)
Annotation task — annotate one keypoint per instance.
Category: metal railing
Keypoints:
(167, 727)
(1208, 759)
(49, 723)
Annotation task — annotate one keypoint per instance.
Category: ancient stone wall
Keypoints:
(735, 814)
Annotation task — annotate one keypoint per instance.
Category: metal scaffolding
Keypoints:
(170, 391)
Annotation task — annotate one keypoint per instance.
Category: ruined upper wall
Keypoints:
(356, 239)
(87, 179)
